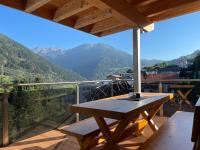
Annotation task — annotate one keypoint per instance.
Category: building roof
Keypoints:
(104, 17)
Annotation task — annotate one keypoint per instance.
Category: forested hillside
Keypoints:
(17, 57)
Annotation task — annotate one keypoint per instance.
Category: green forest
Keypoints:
(21, 64)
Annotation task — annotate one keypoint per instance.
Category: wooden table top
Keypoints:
(120, 108)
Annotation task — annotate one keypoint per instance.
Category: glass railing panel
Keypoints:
(37, 109)
(1, 116)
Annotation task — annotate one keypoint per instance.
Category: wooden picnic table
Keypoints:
(125, 110)
(183, 95)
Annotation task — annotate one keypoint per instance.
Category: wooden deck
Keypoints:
(55, 140)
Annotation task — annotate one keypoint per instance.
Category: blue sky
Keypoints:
(170, 39)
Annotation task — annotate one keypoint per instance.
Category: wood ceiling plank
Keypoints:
(32, 5)
(105, 25)
(123, 11)
(71, 8)
(92, 17)
(178, 11)
(163, 6)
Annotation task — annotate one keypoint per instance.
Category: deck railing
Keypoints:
(24, 107)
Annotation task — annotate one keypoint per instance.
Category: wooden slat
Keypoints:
(163, 6)
(32, 5)
(105, 25)
(123, 11)
(92, 17)
(71, 8)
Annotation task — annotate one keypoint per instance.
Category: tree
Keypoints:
(129, 71)
(144, 74)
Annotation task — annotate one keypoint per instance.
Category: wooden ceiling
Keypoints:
(104, 17)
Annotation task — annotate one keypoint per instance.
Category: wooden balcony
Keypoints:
(55, 140)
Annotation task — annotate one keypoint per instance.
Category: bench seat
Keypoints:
(87, 132)
(85, 128)
(175, 134)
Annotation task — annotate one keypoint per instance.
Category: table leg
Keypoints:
(112, 138)
(184, 97)
(149, 115)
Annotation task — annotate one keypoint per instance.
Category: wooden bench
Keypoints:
(196, 127)
(175, 134)
(86, 132)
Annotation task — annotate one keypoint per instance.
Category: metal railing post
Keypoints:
(160, 87)
(111, 89)
(5, 126)
(77, 100)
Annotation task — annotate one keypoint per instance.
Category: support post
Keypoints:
(160, 87)
(5, 118)
(77, 100)
(136, 60)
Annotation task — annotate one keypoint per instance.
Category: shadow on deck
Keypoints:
(55, 140)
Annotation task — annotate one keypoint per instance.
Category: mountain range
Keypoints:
(17, 57)
(185, 60)
(96, 61)
(92, 61)
(88, 61)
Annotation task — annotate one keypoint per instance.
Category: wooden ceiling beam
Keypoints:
(122, 10)
(145, 2)
(12, 4)
(139, 3)
(32, 5)
(114, 30)
(92, 17)
(105, 25)
(178, 11)
(164, 6)
(71, 8)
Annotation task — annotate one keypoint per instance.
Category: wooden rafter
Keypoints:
(71, 8)
(13, 4)
(32, 5)
(179, 10)
(114, 30)
(105, 25)
(123, 11)
(163, 6)
(92, 17)
(145, 2)
(103, 17)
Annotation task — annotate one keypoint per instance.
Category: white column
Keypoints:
(136, 60)
(77, 100)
